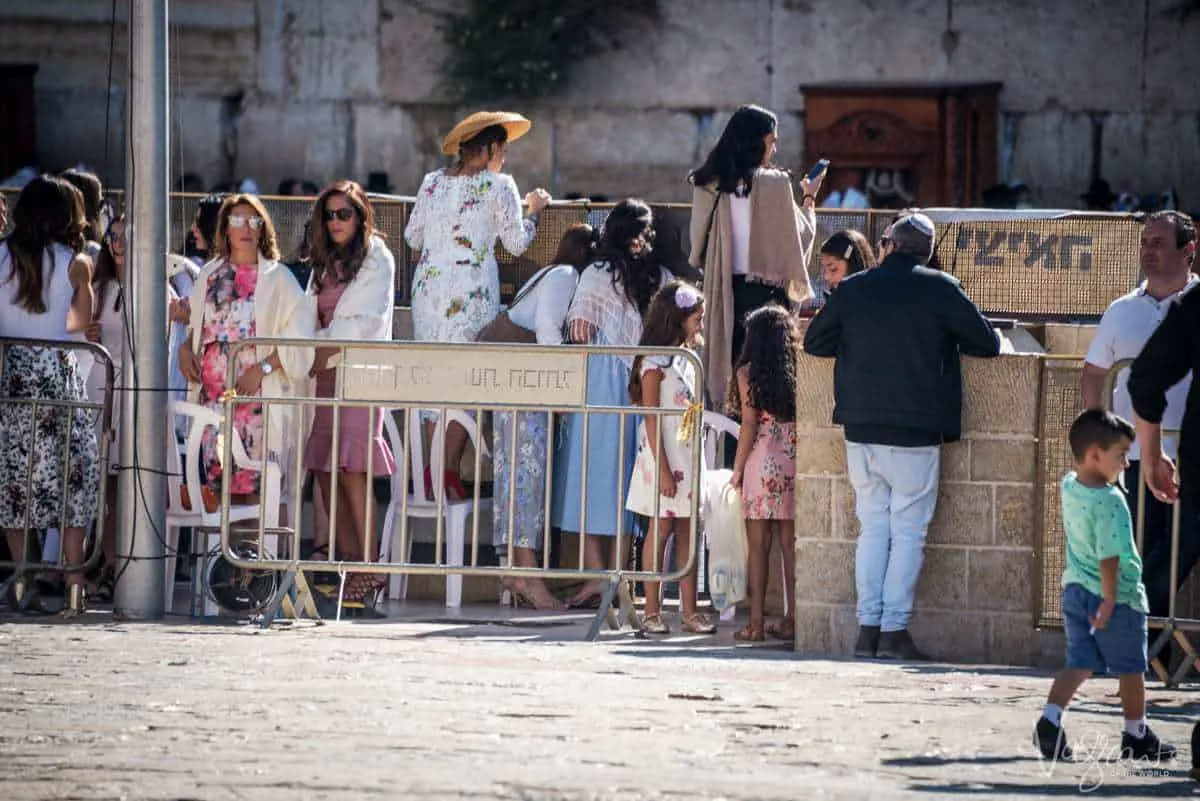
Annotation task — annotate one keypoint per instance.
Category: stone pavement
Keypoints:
(434, 707)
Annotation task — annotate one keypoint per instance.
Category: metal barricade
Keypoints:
(77, 360)
(1172, 626)
(457, 383)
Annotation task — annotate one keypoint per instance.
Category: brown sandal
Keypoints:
(753, 632)
(653, 624)
(697, 623)
(785, 629)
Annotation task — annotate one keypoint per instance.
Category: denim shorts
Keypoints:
(1118, 648)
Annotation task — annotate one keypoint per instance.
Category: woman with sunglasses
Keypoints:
(353, 284)
(245, 292)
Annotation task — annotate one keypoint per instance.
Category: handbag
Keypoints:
(503, 329)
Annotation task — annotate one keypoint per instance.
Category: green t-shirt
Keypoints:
(1098, 527)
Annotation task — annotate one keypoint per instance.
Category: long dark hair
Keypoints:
(208, 211)
(577, 246)
(322, 252)
(92, 192)
(634, 274)
(481, 142)
(769, 355)
(106, 263)
(739, 151)
(851, 247)
(48, 211)
(665, 327)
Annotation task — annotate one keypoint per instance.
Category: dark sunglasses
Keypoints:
(344, 214)
(884, 241)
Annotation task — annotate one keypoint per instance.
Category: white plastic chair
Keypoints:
(196, 518)
(714, 426)
(455, 513)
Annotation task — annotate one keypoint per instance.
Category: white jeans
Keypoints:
(895, 492)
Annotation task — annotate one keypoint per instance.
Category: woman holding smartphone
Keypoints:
(748, 235)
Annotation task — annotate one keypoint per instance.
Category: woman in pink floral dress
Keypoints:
(764, 393)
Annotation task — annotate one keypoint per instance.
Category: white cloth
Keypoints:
(601, 302)
(455, 224)
(739, 218)
(56, 293)
(1122, 333)
(543, 309)
(366, 306)
(852, 198)
(281, 309)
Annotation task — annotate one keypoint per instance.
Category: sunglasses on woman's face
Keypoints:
(345, 214)
(242, 221)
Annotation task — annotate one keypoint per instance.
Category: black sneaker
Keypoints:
(868, 641)
(899, 645)
(1148, 746)
(1051, 740)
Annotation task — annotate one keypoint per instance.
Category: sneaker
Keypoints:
(899, 645)
(1051, 740)
(868, 641)
(1148, 746)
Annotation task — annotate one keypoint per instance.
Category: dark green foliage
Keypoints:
(505, 49)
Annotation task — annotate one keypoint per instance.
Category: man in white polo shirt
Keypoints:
(1123, 331)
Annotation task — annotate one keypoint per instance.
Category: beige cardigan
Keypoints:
(781, 242)
(281, 309)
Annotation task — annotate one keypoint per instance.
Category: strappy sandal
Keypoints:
(360, 585)
(696, 623)
(653, 624)
(752, 632)
(785, 629)
(524, 599)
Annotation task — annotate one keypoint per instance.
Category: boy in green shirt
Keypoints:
(1104, 602)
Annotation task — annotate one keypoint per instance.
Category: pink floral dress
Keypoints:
(769, 478)
(228, 318)
(677, 391)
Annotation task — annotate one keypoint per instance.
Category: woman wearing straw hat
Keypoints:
(459, 214)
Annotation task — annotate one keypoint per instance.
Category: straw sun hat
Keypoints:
(516, 125)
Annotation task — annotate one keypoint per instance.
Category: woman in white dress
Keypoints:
(460, 213)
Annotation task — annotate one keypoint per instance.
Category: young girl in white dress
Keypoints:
(674, 319)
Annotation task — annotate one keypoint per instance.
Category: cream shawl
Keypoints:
(781, 242)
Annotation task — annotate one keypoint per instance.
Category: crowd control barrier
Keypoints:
(40, 408)
(429, 387)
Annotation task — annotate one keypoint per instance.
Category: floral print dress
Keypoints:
(677, 391)
(229, 318)
(455, 224)
(769, 478)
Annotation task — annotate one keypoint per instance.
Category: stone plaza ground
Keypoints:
(486, 704)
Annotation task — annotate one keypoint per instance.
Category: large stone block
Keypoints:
(1016, 515)
(814, 391)
(825, 571)
(943, 583)
(820, 452)
(814, 632)
(412, 51)
(1172, 155)
(618, 138)
(1014, 640)
(1001, 580)
(71, 126)
(306, 140)
(1171, 52)
(388, 138)
(814, 507)
(963, 515)
(956, 461)
(197, 138)
(1049, 144)
(703, 54)
(951, 636)
(999, 395)
(845, 519)
(1003, 460)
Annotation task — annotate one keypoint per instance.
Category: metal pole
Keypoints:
(141, 511)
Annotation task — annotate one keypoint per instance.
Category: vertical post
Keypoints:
(141, 509)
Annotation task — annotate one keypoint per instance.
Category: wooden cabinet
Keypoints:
(18, 145)
(920, 145)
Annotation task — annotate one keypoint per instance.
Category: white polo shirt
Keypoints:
(1123, 331)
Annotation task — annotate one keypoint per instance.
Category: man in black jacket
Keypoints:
(897, 332)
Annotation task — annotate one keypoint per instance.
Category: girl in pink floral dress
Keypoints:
(764, 394)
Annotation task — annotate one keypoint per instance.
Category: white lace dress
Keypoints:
(455, 224)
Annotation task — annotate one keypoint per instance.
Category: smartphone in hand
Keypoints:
(818, 171)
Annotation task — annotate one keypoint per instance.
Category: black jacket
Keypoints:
(897, 332)
(1172, 350)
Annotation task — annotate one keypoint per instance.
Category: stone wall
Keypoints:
(278, 88)
(975, 601)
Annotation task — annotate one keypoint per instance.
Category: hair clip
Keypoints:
(686, 297)
(849, 251)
